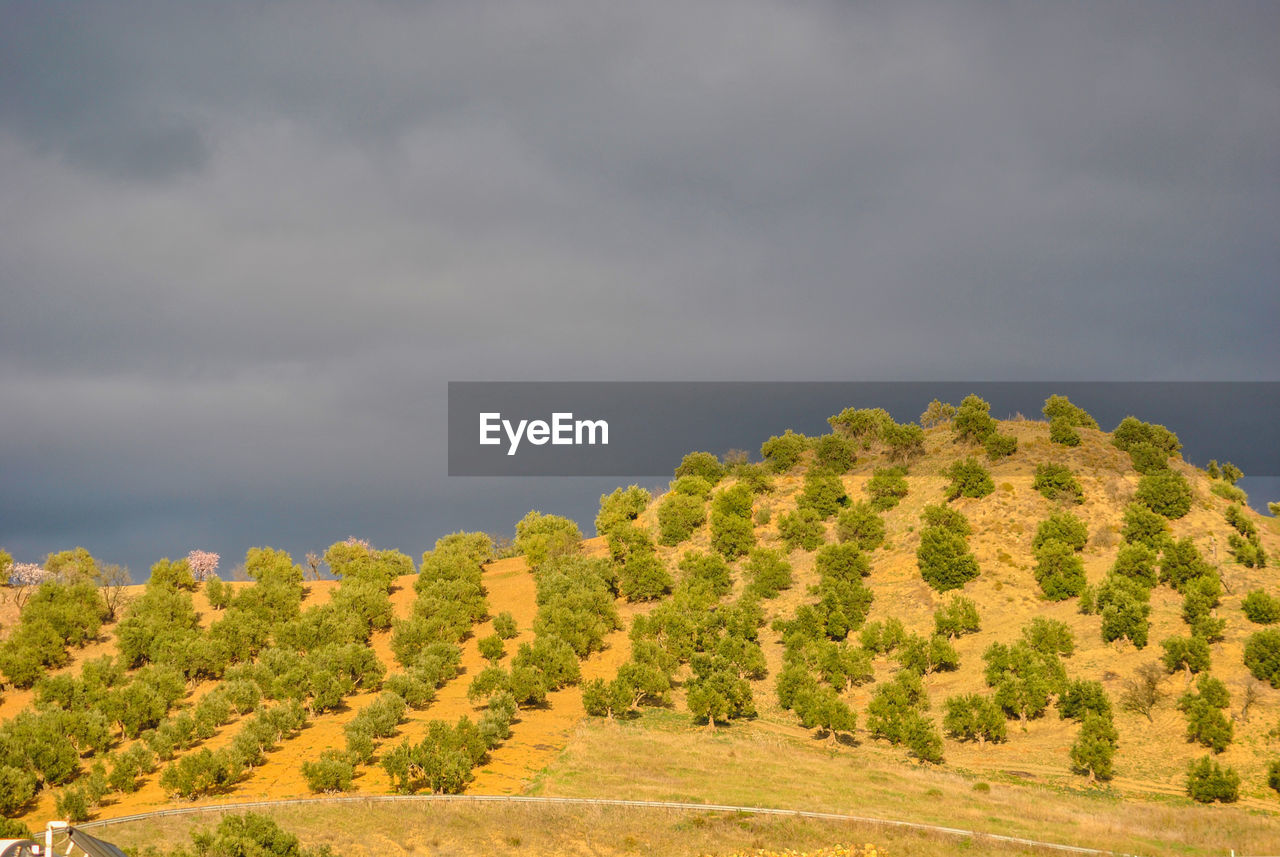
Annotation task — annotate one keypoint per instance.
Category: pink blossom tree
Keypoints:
(203, 564)
(25, 577)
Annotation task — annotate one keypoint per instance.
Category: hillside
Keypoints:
(553, 747)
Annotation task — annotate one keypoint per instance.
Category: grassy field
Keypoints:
(481, 830)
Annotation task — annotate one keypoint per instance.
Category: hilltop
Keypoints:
(681, 658)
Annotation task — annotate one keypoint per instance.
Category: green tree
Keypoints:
(1062, 527)
(1059, 571)
(1261, 608)
(620, 507)
(678, 516)
(1262, 656)
(703, 465)
(944, 559)
(542, 537)
(903, 442)
(331, 773)
(973, 422)
(968, 479)
(1143, 526)
(1165, 492)
(800, 530)
(768, 572)
(782, 452)
(823, 493)
(1056, 482)
(1186, 653)
(959, 616)
(1000, 446)
(937, 413)
(973, 717)
(1062, 432)
(1132, 431)
(1060, 407)
(886, 487)
(834, 453)
(861, 525)
(1207, 782)
(1094, 750)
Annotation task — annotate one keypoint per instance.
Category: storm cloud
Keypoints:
(244, 247)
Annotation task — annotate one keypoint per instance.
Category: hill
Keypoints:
(724, 637)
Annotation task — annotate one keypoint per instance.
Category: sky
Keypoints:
(245, 246)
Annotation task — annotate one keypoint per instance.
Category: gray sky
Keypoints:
(243, 247)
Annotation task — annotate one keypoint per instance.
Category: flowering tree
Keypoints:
(203, 564)
(24, 577)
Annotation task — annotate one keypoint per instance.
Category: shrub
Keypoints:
(800, 529)
(1049, 637)
(1137, 562)
(886, 487)
(1082, 698)
(1143, 526)
(731, 535)
(768, 573)
(332, 772)
(957, 617)
(927, 655)
(1232, 493)
(782, 452)
(823, 493)
(1165, 492)
(1273, 776)
(643, 577)
(968, 479)
(865, 424)
(1207, 781)
(706, 571)
(1000, 446)
(1062, 432)
(1061, 408)
(1059, 571)
(620, 507)
(1061, 527)
(903, 442)
(973, 717)
(693, 486)
(703, 465)
(1206, 724)
(1181, 563)
(1056, 482)
(1230, 473)
(1133, 431)
(944, 559)
(1147, 458)
(861, 525)
(1262, 656)
(542, 537)
(937, 413)
(678, 516)
(834, 453)
(1187, 653)
(947, 518)
(973, 422)
(1261, 608)
(883, 637)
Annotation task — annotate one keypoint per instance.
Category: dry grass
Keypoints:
(483, 830)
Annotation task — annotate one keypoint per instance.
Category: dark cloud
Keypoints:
(244, 247)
